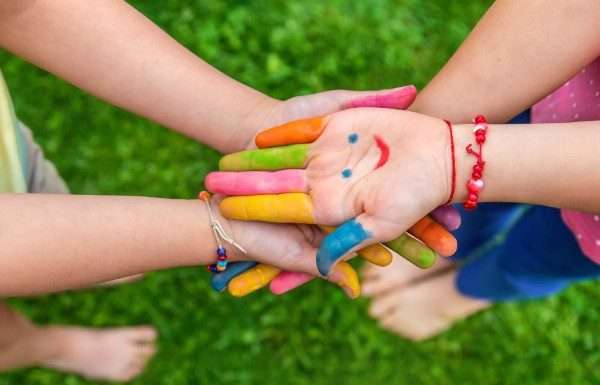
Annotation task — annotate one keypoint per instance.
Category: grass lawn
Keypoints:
(314, 335)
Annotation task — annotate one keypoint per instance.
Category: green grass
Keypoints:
(314, 335)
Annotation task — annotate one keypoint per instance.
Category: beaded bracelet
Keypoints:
(220, 235)
(475, 184)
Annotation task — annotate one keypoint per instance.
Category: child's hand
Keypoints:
(386, 168)
(287, 246)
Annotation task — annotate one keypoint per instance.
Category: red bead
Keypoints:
(475, 185)
(477, 168)
(473, 197)
(480, 119)
(476, 175)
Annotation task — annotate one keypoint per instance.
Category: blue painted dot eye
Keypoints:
(347, 173)
(353, 138)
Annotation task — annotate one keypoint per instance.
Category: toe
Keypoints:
(384, 304)
(370, 271)
(144, 334)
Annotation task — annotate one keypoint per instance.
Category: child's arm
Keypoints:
(114, 52)
(57, 242)
(518, 53)
(376, 172)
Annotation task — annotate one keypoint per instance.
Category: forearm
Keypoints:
(548, 164)
(109, 49)
(518, 53)
(56, 242)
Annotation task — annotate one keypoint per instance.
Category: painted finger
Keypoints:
(447, 216)
(289, 280)
(412, 250)
(256, 182)
(435, 236)
(399, 98)
(268, 159)
(219, 281)
(376, 254)
(280, 208)
(339, 243)
(295, 132)
(343, 274)
(252, 280)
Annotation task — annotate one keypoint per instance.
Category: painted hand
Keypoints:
(341, 181)
(314, 105)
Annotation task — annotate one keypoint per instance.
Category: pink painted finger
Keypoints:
(447, 216)
(399, 98)
(256, 182)
(288, 280)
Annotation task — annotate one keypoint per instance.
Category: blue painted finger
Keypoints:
(219, 281)
(337, 244)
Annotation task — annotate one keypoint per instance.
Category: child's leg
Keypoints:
(117, 354)
(108, 354)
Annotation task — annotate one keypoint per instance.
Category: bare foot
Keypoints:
(424, 309)
(378, 279)
(121, 281)
(106, 354)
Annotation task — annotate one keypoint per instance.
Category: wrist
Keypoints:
(500, 176)
(259, 115)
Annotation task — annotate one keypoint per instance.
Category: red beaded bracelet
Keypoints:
(475, 184)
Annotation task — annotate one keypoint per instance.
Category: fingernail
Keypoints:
(346, 277)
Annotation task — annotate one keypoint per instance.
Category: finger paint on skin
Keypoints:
(252, 280)
(447, 216)
(353, 138)
(296, 132)
(256, 182)
(344, 275)
(413, 251)
(278, 208)
(279, 158)
(435, 236)
(289, 280)
(400, 98)
(384, 149)
(219, 281)
(346, 173)
(338, 243)
(376, 254)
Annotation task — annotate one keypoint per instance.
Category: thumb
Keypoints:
(328, 102)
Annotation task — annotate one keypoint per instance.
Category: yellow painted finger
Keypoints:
(277, 208)
(252, 280)
(344, 275)
(377, 254)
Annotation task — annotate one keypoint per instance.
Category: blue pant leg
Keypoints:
(538, 257)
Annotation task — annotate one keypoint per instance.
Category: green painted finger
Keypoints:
(413, 250)
(276, 158)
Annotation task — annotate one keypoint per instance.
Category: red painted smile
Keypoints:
(385, 151)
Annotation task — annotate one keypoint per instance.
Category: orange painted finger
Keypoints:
(435, 236)
(296, 132)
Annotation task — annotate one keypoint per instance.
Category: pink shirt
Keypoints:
(577, 100)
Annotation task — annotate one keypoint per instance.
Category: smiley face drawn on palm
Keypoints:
(324, 182)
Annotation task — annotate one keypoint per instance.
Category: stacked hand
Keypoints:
(328, 182)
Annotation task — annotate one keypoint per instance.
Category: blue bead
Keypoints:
(221, 252)
(347, 173)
